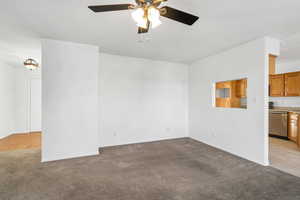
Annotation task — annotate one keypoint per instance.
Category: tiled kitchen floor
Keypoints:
(285, 156)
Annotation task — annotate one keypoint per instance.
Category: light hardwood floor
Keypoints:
(285, 156)
(21, 141)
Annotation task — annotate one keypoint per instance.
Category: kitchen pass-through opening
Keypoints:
(231, 94)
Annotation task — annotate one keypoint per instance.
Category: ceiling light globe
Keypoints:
(142, 23)
(153, 16)
(138, 15)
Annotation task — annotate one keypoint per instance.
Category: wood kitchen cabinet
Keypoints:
(241, 88)
(223, 102)
(225, 84)
(285, 85)
(293, 126)
(272, 64)
(298, 138)
(277, 85)
(292, 84)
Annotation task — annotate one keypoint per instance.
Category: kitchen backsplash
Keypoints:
(285, 101)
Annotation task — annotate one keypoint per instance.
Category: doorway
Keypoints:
(31, 139)
(284, 117)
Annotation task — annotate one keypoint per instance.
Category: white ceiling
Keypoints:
(290, 49)
(222, 24)
(17, 41)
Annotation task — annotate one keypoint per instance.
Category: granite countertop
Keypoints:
(287, 109)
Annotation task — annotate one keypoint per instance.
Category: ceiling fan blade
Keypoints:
(106, 8)
(178, 15)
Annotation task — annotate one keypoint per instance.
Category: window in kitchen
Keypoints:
(231, 94)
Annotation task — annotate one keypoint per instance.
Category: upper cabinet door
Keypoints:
(292, 84)
(298, 138)
(241, 88)
(225, 84)
(277, 85)
(272, 64)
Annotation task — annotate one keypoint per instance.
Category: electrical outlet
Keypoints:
(213, 133)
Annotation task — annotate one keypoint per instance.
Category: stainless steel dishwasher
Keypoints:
(278, 124)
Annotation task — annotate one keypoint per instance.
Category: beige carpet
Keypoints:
(181, 169)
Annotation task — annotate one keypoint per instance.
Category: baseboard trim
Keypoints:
(262, 163)
(26, 132)
(5, 136)
(142, 142)
(70, 156)
(278, 136)
(12, 134)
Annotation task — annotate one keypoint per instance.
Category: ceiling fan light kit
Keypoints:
(148, 12)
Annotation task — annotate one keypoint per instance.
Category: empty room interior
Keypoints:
(149, 100)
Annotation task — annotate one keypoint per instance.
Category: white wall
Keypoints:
(7, 100)
(141, 100)
(242, 132)
(69, 100)
(284, 67)
(35, 105)
(22, 101)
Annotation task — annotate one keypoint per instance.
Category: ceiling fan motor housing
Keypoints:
(144, 1)
(149, 2)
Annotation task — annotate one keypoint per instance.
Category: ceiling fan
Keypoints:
(148, 12)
